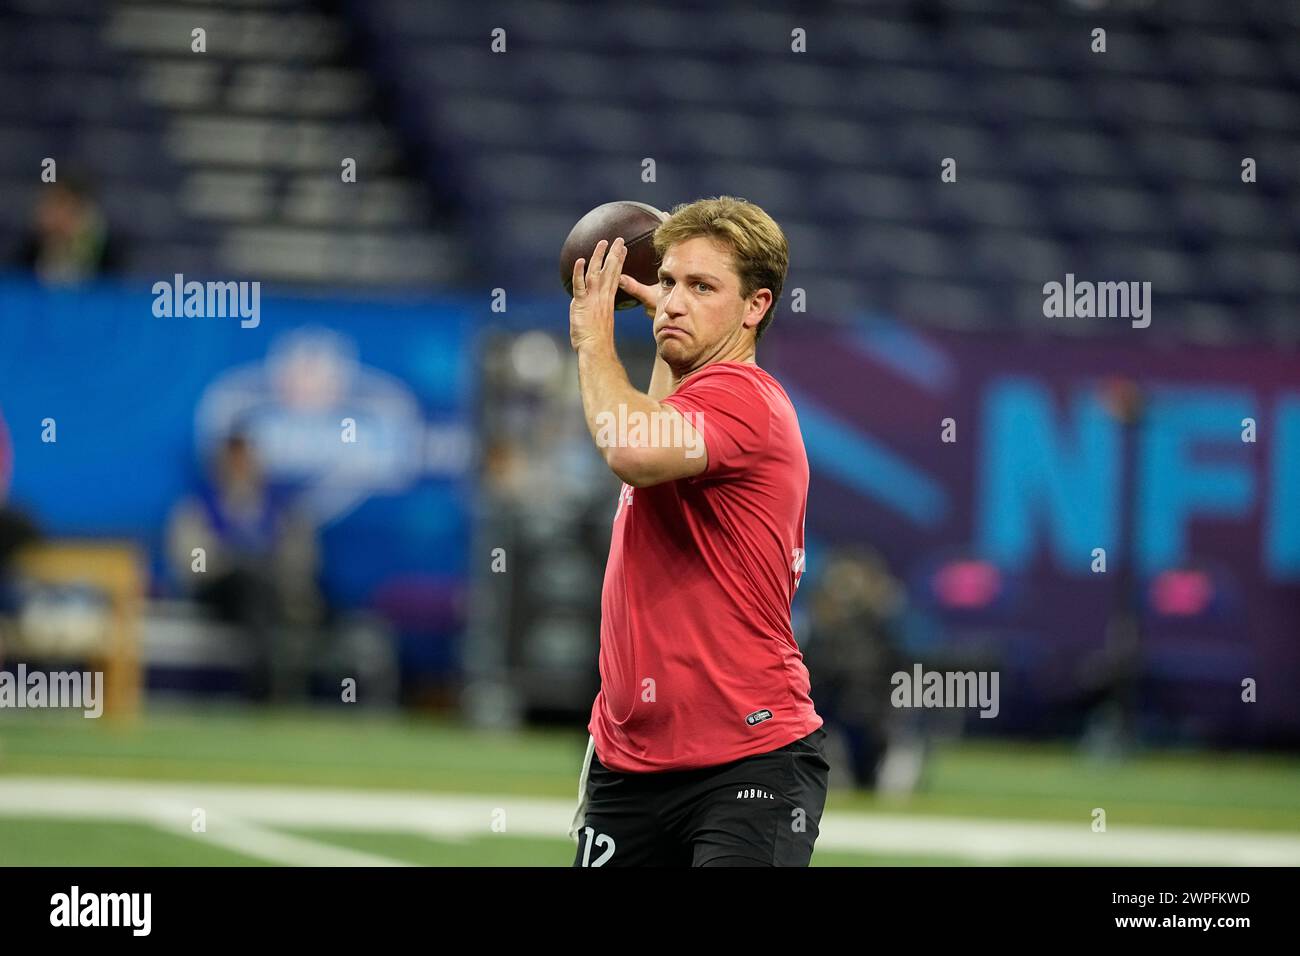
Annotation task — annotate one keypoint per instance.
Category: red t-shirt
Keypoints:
(698, 663)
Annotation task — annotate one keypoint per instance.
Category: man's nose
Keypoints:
(673, 303)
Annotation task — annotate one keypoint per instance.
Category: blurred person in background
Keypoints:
(68, 240)
(17, 531)
(259, 567)
(1109, 681)
(852, 649)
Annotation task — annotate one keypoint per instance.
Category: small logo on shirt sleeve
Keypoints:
(758, 716)
(624, 498)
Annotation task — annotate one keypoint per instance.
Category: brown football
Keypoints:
(636, 223)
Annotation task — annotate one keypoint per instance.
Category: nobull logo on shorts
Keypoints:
(758, 716)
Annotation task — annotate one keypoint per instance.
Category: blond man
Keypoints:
(705, 748)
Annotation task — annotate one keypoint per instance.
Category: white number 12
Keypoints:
(586, 847)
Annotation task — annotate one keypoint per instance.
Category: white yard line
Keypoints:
(237, 816)
(1008, 841)
(274, 846)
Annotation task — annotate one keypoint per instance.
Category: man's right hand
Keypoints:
(647, 295)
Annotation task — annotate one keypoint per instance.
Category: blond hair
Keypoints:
(758, 246)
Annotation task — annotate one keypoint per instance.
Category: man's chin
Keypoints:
(672, 350)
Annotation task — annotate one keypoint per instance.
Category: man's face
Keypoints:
(701, 313)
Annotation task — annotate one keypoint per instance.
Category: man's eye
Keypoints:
(704, 285)
(665, 281)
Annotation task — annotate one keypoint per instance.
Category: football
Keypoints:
(635, 222)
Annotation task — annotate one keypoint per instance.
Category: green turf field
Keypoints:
(416, 791)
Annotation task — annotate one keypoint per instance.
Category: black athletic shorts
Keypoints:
(762, 810)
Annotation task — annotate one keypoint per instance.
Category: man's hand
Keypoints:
(595, 287)
(647, 295)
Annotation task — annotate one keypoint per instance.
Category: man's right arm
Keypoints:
(661, 380)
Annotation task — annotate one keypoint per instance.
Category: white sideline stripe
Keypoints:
(457, 817)
(282, 848)
(1005, 841)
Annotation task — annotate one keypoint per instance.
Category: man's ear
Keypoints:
(756, 308)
